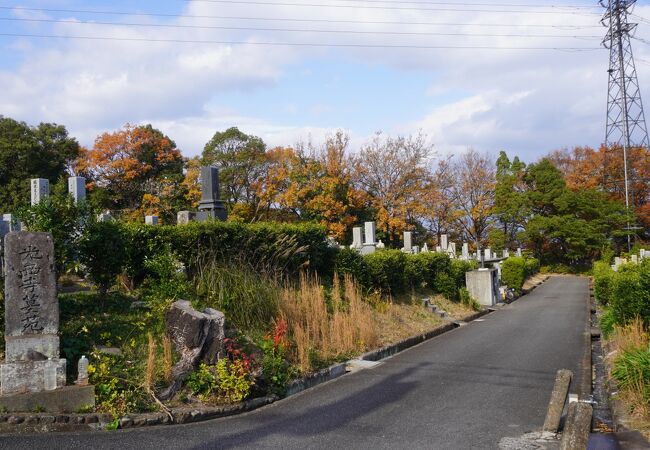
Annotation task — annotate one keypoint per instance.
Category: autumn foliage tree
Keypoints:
(394, 173)
(137, 169)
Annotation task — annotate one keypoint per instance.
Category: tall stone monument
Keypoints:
(77, 188)
(408, 242)
(33, 373)
(31, 314)
(211, 194)
(40, 189)
(370, 241)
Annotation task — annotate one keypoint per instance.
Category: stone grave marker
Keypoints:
(14, 223)
(408, 242)
(425, 248)
(151, 220)
(32, 372)
(211, 194)
(444, 242)
(40, 189)
(77, 188)
(370, 241)
(465, 251)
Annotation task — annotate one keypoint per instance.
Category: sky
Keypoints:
(524, 76)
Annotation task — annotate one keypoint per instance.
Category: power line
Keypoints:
(218, 27)
(497, 5)
(274, 19)
(300, 44)
(402, 8)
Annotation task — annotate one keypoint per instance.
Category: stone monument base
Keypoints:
(18, 377)
(68, 399)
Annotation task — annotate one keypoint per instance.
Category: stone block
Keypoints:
(28, 376)
(32, 348)
(40, 189)
(77, 188)
(67, 399)
(483, 286)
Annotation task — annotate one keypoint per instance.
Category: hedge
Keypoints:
(625, 293)
(516, 269)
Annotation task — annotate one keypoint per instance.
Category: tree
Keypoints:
(319, 185)
(241, 159)
(130, 163)
(28, 152)
(473, 194)
(393, 171)
(510, 205)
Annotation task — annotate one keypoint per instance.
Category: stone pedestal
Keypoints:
(28, 376)
(68, 399)
(483, 285)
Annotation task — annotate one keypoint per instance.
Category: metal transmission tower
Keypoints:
(626, 126)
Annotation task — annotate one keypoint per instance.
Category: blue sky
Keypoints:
(527, 102)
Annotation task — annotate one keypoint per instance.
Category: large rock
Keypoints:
(197, 336)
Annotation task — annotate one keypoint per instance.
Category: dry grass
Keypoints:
(347, 327)
(168, 362)
(150, 371)
(625, 343)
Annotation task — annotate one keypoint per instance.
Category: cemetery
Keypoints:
(212, 312)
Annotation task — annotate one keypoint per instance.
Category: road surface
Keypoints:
(466, 389)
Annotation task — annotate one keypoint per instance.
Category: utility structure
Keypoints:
(626, 126)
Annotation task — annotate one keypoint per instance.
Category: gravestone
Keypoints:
(415, 250)
(634, 259)
(31, 313)
(185, 217)
(518, 252)
(369, 243)
(408, 242)
(444, 242)
(452, 249)
(151, 220)
(357, 237)
(438, 249)
(14, 223)
(77, 188)
(40, 189)
(506, 253)
(380, 244)
(465, 251)
(211, 194)
(106, 216)
(425, 248)
(487, 254)
(32, 374)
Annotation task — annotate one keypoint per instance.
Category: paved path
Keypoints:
(466, 389)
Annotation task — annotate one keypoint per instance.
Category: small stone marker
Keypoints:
(211, 194)
(77, 188)
(106, 216)
(415, 250)
(357, 237)
(14, 223)
(31, 314)
(465, 251)
(558, 399)
(408, 242)
(452, 249)
(40, 188)
(438, 249)
(184, 217)
(380, 244)
(151, 220)
(487, 254)
(506, 253)
(518, 252)
(635, 259)
(425, 248)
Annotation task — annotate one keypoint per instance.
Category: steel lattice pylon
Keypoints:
(626, 126)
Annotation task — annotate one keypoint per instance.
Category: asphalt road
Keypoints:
(466, 389)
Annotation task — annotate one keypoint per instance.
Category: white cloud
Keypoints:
(524, 101)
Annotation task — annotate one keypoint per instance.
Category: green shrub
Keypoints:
(387, 271)
(350, 261)
(603, 282)
(607, 322)
(277, 249)
(513, 272)
(532, 266)
(467, 300)
(102, 251)
(631, 293)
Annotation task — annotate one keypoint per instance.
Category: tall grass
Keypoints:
(631, 365)
(325, 324)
